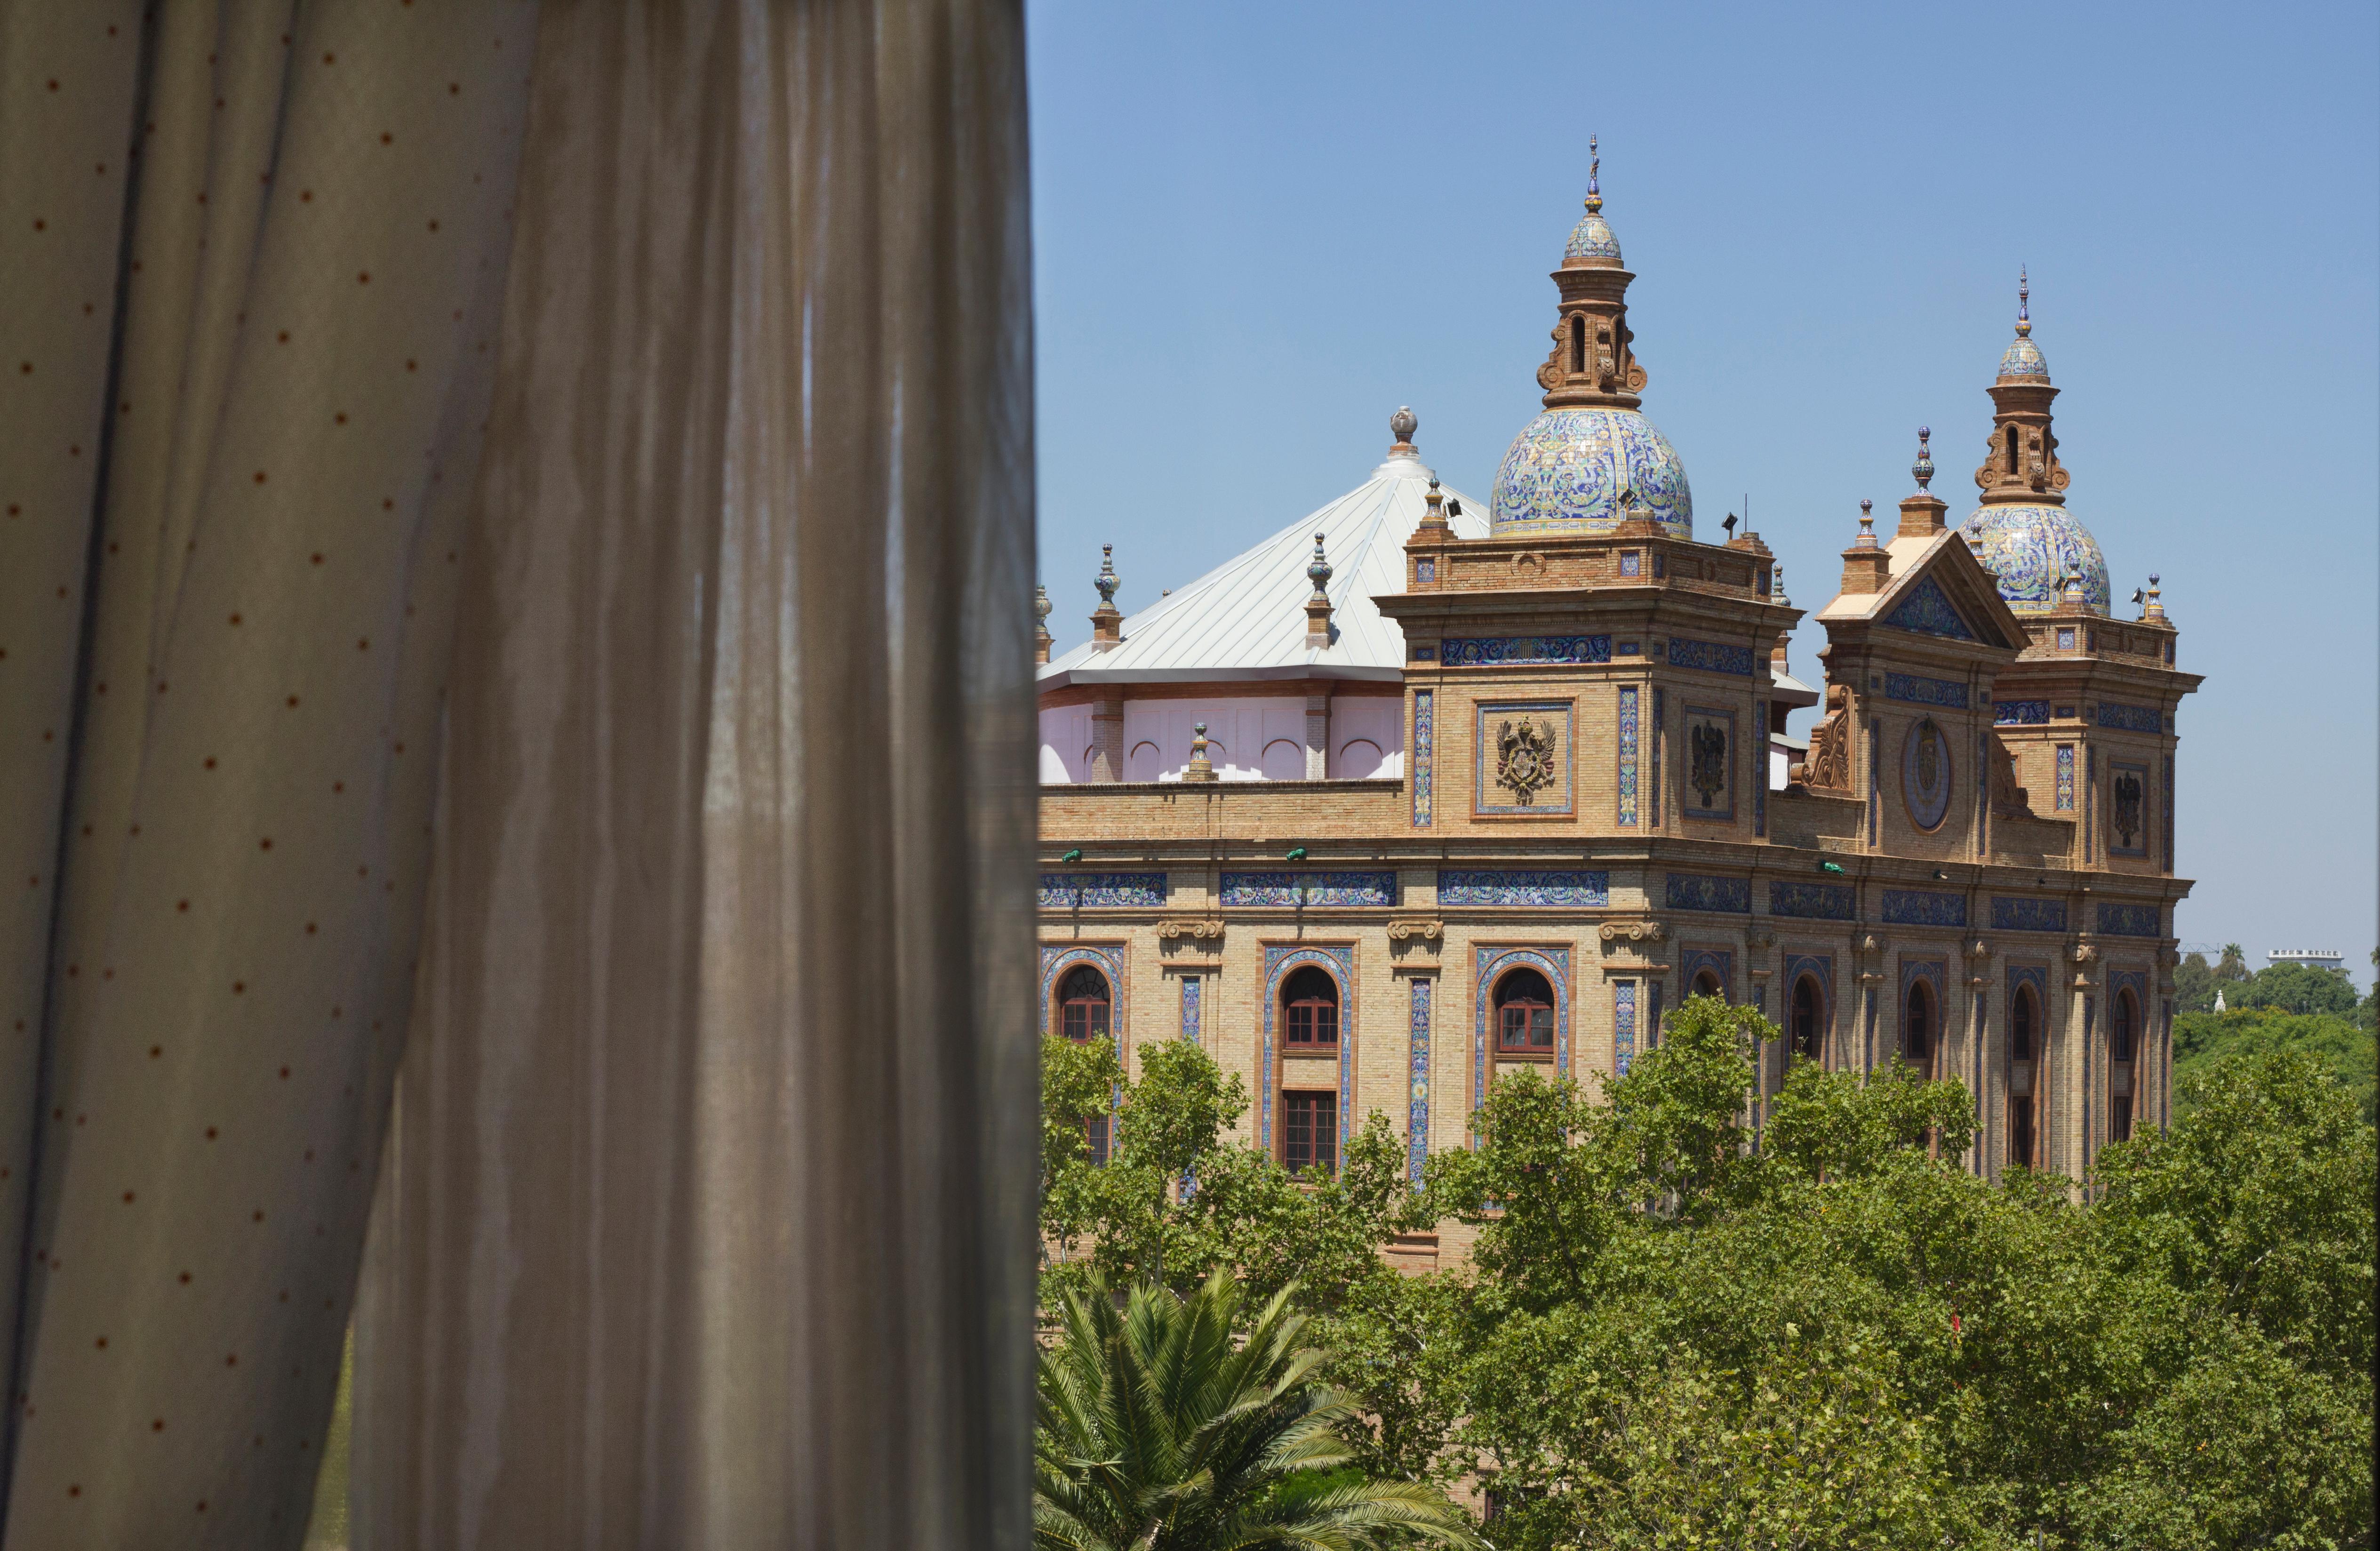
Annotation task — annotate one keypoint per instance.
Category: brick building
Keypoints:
(1406, 795)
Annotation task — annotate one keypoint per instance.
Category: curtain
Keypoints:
(708, 1217)
(695, 707)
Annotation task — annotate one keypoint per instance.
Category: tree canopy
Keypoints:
(1685, 1324)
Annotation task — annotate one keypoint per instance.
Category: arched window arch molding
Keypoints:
(1488, 966)
(2034, 980)
(1281, 960)
(1717, 963)
(1108, 960)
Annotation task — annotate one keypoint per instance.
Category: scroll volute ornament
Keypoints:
(1829, 764)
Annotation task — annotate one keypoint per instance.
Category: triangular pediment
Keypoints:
(1948, 595)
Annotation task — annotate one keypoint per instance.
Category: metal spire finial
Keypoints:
(1923, 466)
(1867, 540)
(1107, 581)
(1594, 176)
(1320, 572)
(2023, 302)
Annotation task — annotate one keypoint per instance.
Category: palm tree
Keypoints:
(1163, 1431)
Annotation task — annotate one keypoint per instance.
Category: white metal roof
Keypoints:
(1246, 618)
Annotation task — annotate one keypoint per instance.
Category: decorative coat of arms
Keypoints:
(1524, 758)
(2128, 795)
(1706, 761)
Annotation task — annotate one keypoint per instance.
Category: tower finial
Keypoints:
(1319, 572)
(1594, 177)
(1107, 581)
(1402, 425)
(2023, 302)
(1867, 540)
(1923, 466)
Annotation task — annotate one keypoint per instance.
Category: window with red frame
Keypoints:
(1083, 1016)
(1310, 1131)
(1524, 1015)
(1310, 999)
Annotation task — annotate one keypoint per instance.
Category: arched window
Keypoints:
(1083, 1016)
(1577, 344)
(1917, 1028)
(2123, 1035)
(1524, 1015)
(2023, 1077)
(1310, 999)
(1082, 1004)
(1707, 985)
(1809, 1014)
(2014, 466)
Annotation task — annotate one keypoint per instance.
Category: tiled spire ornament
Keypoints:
(1867, 540)
(1922, 469)
(1042, 637)
(1107, 621)
(1318, 607)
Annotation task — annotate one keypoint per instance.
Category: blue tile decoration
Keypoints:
(1710, 657)
(1923, 907)
(1628, 648)
(2166, 815)
(2127, 807)
(1549, 890)
(2066, 778)
(1694, 890)
(1490, 963)
(1660, 698)
(1108, 960)
(1592, 238)
(1925, 774)
(1929, 611)
(1300, 889)
(1417, 1117)
(1812, 902)
(1091, 890)
(1627, 742)
(2026, 914)
(1483, 651)
(2130, 719)
(1720, 962)
(1631, 562)
(1425, 744)
(1623, 1026)
(2025, 360)
(1425, 570)
(1280, 958)
(1949, 694)
(1567, 469)
(1190, 998)
(1762, 757)
(2027, 547)
(2021, 713)
(2128, 920)
(1713, 760)
(2065, 640)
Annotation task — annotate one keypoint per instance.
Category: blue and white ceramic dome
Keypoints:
(2028, 548)
(2025, 360)
(1592, 238)
(1566, 470)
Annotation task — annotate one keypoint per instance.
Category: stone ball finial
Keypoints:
(1107, 581)
(1923, 466)
(1402, 424)
(1041, 603)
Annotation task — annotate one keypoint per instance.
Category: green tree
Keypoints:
(2232, 967)
(2193, 984)
(1163, 1427)
(2301, 988)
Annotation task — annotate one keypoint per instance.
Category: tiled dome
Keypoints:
(1564, 474)
(2024, 360)
(2028, 548)
(1592, 238)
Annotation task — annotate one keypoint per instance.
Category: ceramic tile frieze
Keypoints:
(1301, 890)
(1549, 890)
(1812, 902)
(1093, 890)
(1417, 1117)
(2130, 719)
(1424, 745)
(2021, 713)
(1694, 890)
(1919, 690)
(1710, 657)
(1923, 907)
(2128, 920)
(1627, 753)
(1477, 651)
(2021, 914)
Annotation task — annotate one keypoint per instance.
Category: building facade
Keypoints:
(1407, 797)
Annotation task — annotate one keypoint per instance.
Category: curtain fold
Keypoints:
(672, 544)
(706, 1218)
(254, 255)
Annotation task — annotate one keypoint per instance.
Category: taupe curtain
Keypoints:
(697, 706)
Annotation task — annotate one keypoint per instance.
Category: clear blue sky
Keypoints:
(1259, 228)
